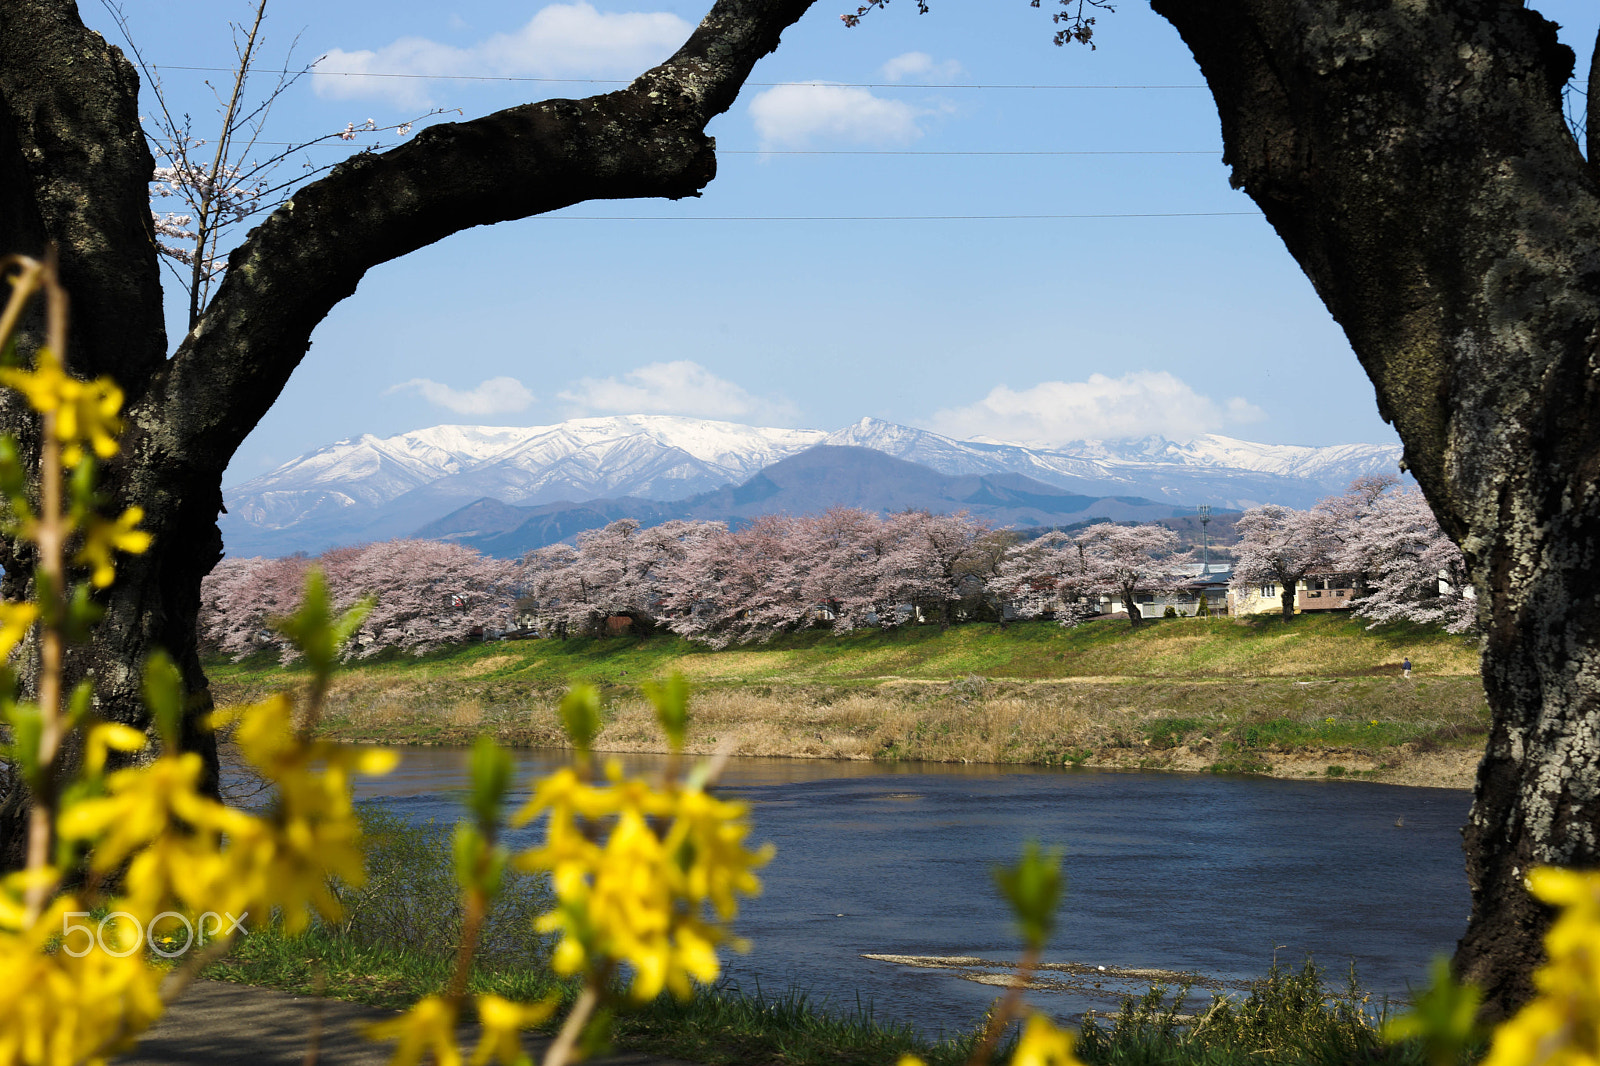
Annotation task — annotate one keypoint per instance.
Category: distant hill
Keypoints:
(821, 477)
(372, 488)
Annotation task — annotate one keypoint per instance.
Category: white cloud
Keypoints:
(561, 40)
(680, 387)
(496, 396)
(1138, 404)
(920, 66)
(798, 115)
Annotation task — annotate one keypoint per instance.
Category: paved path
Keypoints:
(222, 1024)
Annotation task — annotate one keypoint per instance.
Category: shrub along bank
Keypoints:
(1321, 696)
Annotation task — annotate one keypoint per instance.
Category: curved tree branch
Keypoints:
(646, 140)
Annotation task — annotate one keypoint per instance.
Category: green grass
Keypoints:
(1312, 646)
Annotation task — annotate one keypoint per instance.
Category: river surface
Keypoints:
(1205, 875)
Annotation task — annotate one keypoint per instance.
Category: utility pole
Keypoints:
(1205, 537)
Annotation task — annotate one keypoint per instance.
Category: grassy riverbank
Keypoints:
(1321, 696)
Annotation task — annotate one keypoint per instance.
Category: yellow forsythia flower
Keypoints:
(103, 537)
(641, 896)
(78, 1003)
(106, 737)
(15, 620)
(86, 411)
(503, 1022)
(1560, 1026)
(1042, 1044)
(314, 832)
(429, 1028)
(142, 802)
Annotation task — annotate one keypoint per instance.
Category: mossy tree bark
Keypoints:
(1415, 161)
(74, 174)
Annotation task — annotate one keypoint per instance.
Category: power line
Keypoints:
(761, 151)
(888, 218)
(352, 146)
(629, 81)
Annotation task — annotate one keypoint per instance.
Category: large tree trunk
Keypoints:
(1415, 161)
(74, 172)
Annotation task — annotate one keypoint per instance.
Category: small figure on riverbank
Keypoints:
(1405, 667)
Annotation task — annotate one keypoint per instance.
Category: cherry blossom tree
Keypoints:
(1413, 572)
(928, 563)
(839, 551)
(240, 597)
(735, 586)
(1281, 545)
(428, 593)
(1345, 514)
(1123, 561)
(555, 590)
(1046, 575)
(622, 569)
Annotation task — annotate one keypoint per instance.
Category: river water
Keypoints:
(1208, 876)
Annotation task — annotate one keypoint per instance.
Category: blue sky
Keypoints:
(796, 291)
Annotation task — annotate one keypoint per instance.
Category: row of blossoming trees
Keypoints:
(846, 569)
(428, 593)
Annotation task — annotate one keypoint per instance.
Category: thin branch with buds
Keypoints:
(1077, 26)
(232, 187)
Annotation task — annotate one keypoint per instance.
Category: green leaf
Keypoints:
(580, 717)
(1033, 888)
(671, 701)
(13, 477)
(314, 631)
(80, 487)
(163, 697)
(27, 727)
(1445, 1018)
(82, 614)
(479, 864)
(79, 703)
(466, 845)
(491, 776)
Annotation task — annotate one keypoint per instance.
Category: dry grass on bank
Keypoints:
(1426, 732)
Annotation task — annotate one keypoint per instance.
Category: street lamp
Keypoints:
(1205, 537)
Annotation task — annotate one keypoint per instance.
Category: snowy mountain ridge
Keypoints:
(370, 487)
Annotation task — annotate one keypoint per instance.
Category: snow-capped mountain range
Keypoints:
(371, 488)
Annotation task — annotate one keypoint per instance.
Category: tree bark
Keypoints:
(1135, 615)
(1415, 161)
(74, 172)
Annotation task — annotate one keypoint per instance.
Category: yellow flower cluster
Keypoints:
(83, 416)
(102, 536)
(641, 895)
(86, 412)
(184, 853)
(428, 1030)
(62, 1007)
(1041, 1044)
(1561, 1025)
